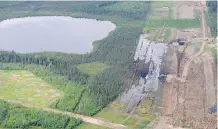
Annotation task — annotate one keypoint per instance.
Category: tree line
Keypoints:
(16, 116)
(84, 94)
(117, 51)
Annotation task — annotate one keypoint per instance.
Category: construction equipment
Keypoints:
(213, 109)
(177, 42)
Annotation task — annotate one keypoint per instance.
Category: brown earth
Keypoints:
(189, 90)
(84, 118)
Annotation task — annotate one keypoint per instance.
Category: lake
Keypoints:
(52, 33)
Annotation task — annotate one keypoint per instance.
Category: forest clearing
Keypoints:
(156, 69)
(25, 87)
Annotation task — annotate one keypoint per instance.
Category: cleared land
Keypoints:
(92, 68)
(23, 86)
(161, 22)
(185, 103)
(113, 113)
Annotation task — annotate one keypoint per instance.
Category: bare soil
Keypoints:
(209, 81)
(183, 10)
(187, 97)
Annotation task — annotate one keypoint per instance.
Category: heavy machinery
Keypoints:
(212, 109)
(177, 42)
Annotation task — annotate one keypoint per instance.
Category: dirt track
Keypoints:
(84, 118)
(209, 81)
(87, 119)
(203, 26)
(187, 99)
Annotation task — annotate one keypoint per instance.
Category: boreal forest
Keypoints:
(83, 93)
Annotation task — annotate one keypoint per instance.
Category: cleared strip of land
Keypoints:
(78, 116)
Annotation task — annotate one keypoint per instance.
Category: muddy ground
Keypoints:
(186, 104)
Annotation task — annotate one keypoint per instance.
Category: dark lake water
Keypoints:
(52, 33)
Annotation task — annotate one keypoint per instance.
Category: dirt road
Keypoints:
(87, 119)
(162, 124)
(188, 97)
(203, 26)
(209, 81)
(84, 118)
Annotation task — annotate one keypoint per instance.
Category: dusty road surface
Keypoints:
(187, 97)
(87, 119)
(203, 27)
(162, 124)
(209, 81)
(183, 9)
(84, 118)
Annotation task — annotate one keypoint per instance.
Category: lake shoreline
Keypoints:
(95, 30)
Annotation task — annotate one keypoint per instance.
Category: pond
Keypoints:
(52, 33)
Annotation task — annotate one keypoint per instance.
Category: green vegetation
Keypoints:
(158, 5)
(23, 86)
(92, 68)
(158, 25)
(90, 93)
(161, 10)
(143, 124)
(214, 54)
(173, 23)
(108, 115)
(73, 93)
(144, 107)
(16, 116)
(112, 116)
(84, 92)
(154, 24)
(113, 113)
(197, 14)
(115, 116)
(211, 16)
(90, 126)
(114, 11)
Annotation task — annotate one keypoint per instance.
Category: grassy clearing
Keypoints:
(143, 124)
(131, 121)
(162, 4)
(161, 10)
(144, 110)
(113, 113)
(23, 86)
(108, 115)
(172, 23)
(92, 68)
(161, 13)
(112, 116)
(144, 107)
(162, 36)
(90, 126)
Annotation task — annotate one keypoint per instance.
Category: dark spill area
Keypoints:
(148, 59)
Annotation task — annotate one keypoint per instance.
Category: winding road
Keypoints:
(84, 118)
